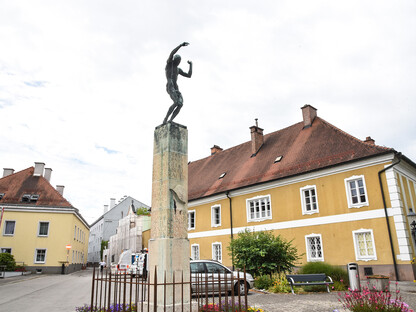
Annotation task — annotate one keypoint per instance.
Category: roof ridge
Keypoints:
(353, 137)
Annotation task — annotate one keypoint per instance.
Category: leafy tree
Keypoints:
(142, 211)
(7, 260)
(262, 253)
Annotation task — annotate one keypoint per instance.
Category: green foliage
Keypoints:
(338, 274)
(262, 253)
(104, 245)
(8, 260)
(281, 284)
(142, 211)
(263, 282)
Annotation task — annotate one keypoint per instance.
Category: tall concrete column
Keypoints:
(169, 244)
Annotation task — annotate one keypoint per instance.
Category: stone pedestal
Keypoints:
(169, 244)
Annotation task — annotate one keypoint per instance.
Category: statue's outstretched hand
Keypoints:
(185, 44)
(189, 62)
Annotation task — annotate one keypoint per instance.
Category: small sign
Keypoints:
(68, 247)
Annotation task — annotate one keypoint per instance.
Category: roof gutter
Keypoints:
(231, 224)
(399, 156)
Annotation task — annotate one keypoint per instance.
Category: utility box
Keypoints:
(354, 276)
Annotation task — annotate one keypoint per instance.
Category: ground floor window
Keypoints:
(364, 245)
(6, 250)
(216, 252)
(195, 252)
(314, 248)
(40, 255)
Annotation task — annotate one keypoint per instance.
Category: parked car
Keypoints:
(211, 276)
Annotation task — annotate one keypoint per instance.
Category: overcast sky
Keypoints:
(82, 83)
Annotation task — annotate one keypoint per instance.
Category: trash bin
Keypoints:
(354, 276)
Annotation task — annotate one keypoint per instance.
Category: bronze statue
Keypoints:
(172, 70)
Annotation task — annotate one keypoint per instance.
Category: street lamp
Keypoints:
(412, 221)
(68, 248)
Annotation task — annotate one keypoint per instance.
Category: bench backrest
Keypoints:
(321, 277)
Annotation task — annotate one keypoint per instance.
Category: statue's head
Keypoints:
(176, 59)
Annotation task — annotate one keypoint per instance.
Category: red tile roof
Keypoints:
(16, 185)
(303, 150)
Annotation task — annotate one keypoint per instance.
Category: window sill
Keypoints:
(260, 220)
(358, 205)
(309, 212)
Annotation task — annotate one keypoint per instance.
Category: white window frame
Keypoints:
(193, 253)
(3, 248)
(308, 251)
(213, 251)
(36, 254)
(14, 228)
(213, 221)
(303, 200)
(268, 214)
(41, 235)
(356, 246)
(189, 219)
(349, 195)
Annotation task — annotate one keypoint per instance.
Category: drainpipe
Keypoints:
(385, 212)
(231, 225)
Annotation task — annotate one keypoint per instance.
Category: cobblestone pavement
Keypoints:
(320, 302)
(16, 294)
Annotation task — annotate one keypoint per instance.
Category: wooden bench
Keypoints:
(309, 280)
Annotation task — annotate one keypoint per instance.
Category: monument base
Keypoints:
(169, 259)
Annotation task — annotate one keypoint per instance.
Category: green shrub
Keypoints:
(338, 274)
(7, 260)
(281, 284)
(263, 282)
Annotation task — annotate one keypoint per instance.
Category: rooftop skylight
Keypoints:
(278, 158)
(1, 195)
(222, 175)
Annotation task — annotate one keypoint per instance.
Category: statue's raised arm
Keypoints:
(170, 59)
(172, 71)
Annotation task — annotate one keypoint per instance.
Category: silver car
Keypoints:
(211, 276)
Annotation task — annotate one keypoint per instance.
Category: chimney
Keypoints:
(48, 173)
(112, 203)
(309, 114)
(370, 141)
(60, 189)
(7, 172)
(256, 138)
(215, 149)
(105, 208)
(39, 169)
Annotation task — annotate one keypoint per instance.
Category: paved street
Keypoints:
(65, 292)
(45, 292)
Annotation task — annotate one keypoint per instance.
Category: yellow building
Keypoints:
(39, 227)
(338, 198)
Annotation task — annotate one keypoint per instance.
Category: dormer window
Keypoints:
(1, 195)
(34, 198)
(26, 198)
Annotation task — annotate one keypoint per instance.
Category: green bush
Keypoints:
(281, 284)
(262, 252)
(263, 282)
(338, 274)
(8, 260)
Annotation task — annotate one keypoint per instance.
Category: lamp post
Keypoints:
(412, 222)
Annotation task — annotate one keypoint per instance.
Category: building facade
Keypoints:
(128, 235)
(106, 225)
(39, 227)
(340, 199)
